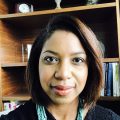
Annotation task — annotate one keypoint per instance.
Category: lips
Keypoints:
(62, 90)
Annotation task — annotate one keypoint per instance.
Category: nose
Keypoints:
(63, 72)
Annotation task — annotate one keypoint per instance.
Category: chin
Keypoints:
(61, 101)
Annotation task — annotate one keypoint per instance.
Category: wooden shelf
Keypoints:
(110, 98)
(20, 64)
(110, 60)
(16, 97)
(43, 12)
(34, 21)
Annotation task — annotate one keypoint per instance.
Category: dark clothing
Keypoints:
(28, 112)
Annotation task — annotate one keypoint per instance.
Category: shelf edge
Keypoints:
(20, 64)
(53, 11)
(18, 98)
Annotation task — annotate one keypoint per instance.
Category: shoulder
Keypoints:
(101, 113)
(23, 112)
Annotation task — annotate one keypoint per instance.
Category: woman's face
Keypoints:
(63, 68)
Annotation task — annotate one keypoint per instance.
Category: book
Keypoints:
(117, 79)
(109, 81)
(106, 77)
(114, 79)
(103, 89)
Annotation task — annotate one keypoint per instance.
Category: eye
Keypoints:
(77, 60)
(50, 60)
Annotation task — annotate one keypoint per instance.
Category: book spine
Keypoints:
(114, 79)
(103, 89)
(109, 80)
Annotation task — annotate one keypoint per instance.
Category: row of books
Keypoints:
(111, 76)
(11, 105)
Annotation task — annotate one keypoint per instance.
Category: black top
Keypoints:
(28, 112)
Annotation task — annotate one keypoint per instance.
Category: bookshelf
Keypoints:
(16, 97)
(22, 28)
(110, 98)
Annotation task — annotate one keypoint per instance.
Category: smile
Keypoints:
(62, 90)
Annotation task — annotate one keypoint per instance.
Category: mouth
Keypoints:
(62, 90)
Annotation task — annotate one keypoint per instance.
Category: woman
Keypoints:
(64, 75)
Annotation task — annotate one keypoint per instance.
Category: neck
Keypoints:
(64, 111)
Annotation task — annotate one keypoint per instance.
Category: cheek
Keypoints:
(45, 74)
(82, 75)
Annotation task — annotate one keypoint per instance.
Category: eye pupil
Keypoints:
(77, 60)
(50, 59)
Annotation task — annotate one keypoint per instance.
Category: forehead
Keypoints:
(63, 41)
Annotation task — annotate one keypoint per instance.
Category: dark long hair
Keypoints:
(93, 86)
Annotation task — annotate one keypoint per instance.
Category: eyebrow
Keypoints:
(55, 53)
(49, 51)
